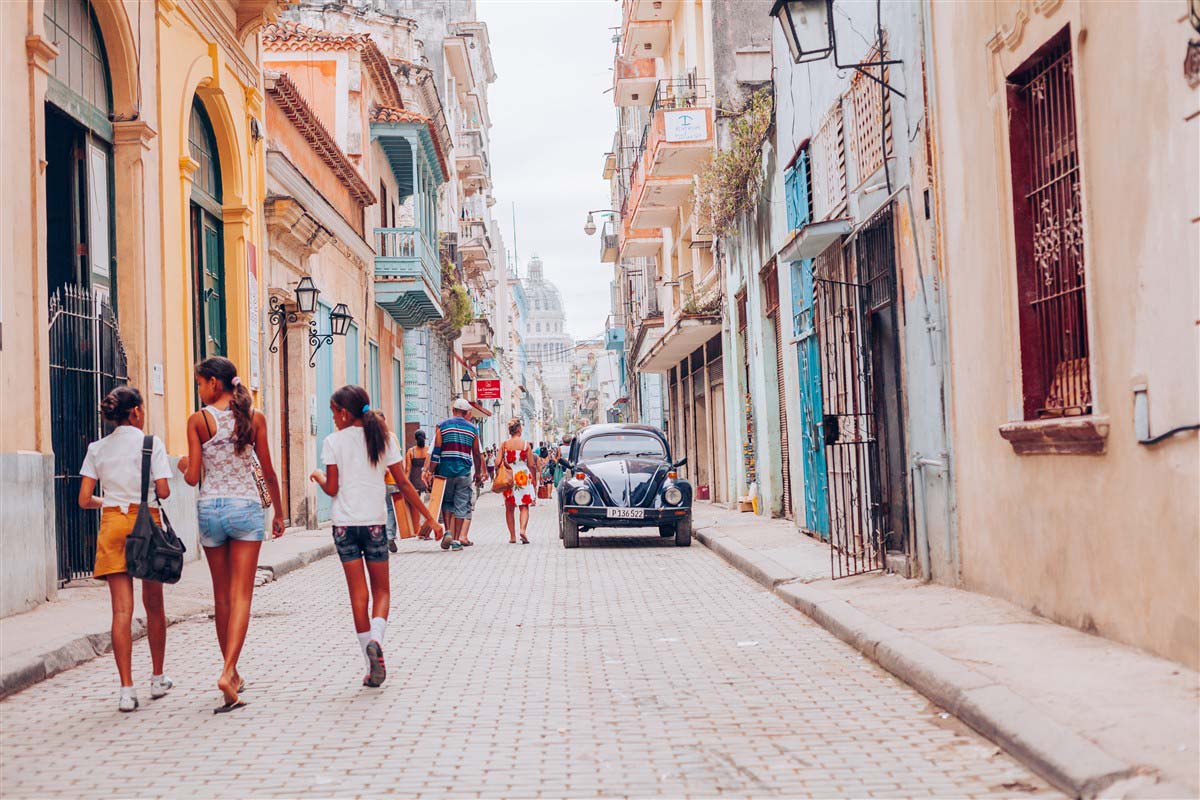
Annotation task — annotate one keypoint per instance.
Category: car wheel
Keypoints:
(683, 533)
(570, 533)
(666, 530)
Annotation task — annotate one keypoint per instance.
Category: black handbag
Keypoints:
(152, 553)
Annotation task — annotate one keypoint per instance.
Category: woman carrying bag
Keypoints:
(229, 458)
(516, 468)
(116, 462)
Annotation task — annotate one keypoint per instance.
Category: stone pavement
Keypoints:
(75, 627)
(628, 667)
(1083, 710)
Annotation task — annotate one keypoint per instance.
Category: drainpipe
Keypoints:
(919, 463)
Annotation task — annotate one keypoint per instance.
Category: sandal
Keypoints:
(524, 540)
(234, 706)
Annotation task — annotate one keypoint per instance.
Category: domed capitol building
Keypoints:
(547, 343)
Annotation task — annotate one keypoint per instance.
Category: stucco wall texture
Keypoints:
(1108, 542)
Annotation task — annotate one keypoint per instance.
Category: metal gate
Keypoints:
(857, 514)
(87, 360)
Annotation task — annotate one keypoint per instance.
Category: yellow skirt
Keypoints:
(115, 525)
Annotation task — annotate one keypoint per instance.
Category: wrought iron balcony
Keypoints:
(477, 343)
(408, 276)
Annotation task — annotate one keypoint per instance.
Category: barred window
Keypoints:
(1048, 227)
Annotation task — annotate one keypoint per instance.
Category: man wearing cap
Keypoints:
(455, 453)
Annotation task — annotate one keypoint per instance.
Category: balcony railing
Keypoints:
(676, 93)
(406, 253)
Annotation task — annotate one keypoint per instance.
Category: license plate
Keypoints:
(627, 513)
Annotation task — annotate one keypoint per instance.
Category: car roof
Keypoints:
(618, 427)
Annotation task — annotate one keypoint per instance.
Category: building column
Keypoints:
(137, 287)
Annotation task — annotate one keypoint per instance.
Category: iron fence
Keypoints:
(87, 360)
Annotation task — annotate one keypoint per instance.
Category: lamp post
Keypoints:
(811, 36)
(589, 227)
(466, 381)
(280, 314)
(339, 323)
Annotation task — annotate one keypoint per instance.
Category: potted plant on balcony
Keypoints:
(728, 186)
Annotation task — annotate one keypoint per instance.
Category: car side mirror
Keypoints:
(680, 462)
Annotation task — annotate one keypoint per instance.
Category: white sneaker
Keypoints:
(159, 686)
(128, 701)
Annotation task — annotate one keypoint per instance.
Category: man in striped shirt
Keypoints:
(455, 452)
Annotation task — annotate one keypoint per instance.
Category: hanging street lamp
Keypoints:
(280, 314)
(339, 323)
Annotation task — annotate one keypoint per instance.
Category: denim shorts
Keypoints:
(368, 542)
(225, 518)
(459, 496)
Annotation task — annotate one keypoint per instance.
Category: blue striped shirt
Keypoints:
(454, 455)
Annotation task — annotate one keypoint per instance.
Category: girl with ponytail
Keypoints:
(115, 462)
(356, 458)
(227, 452)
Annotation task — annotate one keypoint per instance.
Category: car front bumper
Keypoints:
(597, 517)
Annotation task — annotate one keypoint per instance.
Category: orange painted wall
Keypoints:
(284, 136)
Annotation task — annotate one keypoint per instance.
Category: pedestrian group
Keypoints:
(228, 458)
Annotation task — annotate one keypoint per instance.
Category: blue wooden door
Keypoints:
(324, 415)
(812, 435)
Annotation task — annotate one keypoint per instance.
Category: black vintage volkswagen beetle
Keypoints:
(622, 476)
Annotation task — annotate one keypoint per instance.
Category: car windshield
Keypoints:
(621, 445)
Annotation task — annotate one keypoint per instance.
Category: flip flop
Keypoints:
(468, 544)
(234, 706)
(523, 539)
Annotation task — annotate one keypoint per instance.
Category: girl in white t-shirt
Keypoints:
(116, 463)
(356, 458)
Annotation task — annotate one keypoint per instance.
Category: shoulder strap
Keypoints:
(147, 449)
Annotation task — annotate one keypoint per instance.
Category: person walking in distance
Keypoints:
(415, 459)
(356, 457)
(116, 462)
(519, 455)
(455, 452)
(229, 458)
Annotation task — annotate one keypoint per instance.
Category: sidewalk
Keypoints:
(1092, 716)
(75, 627)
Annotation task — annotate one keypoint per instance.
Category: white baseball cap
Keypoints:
(462, 404)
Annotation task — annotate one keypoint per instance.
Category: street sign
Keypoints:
(487, 389)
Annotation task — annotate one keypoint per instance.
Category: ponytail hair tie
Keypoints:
(366, 408)
(236, 381)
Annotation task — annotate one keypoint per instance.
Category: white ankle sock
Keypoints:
(378, 628)
(128, 691)
(156, 678)
(364, 639)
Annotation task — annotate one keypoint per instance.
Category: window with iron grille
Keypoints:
(1048, 227)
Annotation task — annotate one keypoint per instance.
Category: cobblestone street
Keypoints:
(625, 668)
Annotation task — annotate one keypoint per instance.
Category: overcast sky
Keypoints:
(552, 123)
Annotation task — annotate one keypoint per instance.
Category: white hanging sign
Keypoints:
(689, 125)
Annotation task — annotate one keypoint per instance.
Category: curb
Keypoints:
(1069, 761)
(32, 670)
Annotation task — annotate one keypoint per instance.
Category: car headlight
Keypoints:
(673, 495)
(583, 497)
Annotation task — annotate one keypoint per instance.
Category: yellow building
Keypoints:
(133, 173)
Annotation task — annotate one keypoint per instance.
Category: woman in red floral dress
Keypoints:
(520, 458)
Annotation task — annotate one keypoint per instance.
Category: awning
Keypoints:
(677, 343)
(811, 240)
(480, 409)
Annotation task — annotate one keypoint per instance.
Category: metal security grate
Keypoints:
(1049, 229)
(87, 361)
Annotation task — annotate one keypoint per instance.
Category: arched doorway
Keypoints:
(208, 252)
(79, 134)
(86, 356)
